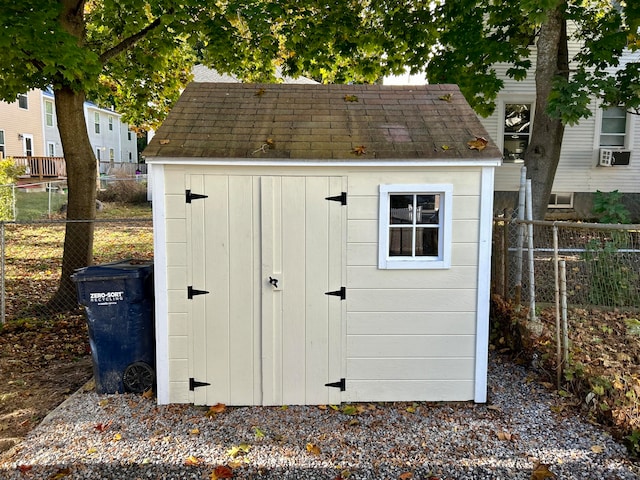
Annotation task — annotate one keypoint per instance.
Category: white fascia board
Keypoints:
(272, 162)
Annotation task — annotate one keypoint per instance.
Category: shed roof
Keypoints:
(321, 122)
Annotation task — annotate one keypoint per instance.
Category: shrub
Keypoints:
(124, 191)
(9, 172)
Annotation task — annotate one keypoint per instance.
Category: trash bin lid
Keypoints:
(129, 268)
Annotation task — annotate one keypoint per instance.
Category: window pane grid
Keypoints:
(414, 225)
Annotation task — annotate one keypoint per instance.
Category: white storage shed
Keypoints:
(319, 244)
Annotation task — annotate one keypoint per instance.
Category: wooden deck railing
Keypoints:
(43, 167)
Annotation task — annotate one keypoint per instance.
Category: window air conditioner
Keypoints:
(612, 158)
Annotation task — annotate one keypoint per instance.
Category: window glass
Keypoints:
(110, 123)
(2, 143)
(517, 131)
(51, 149)
(48, 113)
(96, 122)
(614, 127)
(23, 101)
(415, 228)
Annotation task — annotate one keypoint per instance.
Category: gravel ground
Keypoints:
(95, 436)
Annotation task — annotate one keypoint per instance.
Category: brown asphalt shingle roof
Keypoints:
(320, 122)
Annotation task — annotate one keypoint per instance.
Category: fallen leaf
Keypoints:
(270, 143)
(505, 436)
(541, 472)
(192, 461)
(92, 450)
(478, 144)
(164, 141)
(597, 449)
(63, 472)
(322, 407)
(354, 422)
(334, 407)
(349, 410)
(101, 427)
(258, 433)
(284, 407)
(103, 402)
(24, 468)
(215, 409)
(495, 408)
(236, 450)
(350, 98)
(148, 394)
(194, 431)
(221, 471)
(117, 437)
(446, 97)
(260, 92)
(359, 150)
(314, 449)
(445, 147)
(405, 476)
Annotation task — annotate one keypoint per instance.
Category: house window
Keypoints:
(517, 131)
(112, 156)
(2, 148)
(96, 122)
(98, 156)
(23, 101)
(110, 124)
(27, 145)
(129, 135)
(561, 200)
(613, 130)
(415, 226)
(48, 113)
(51, 149)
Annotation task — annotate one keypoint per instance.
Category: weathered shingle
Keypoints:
(320, 122)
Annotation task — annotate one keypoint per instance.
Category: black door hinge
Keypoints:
(193, 384)
(342, 384)
(342, 198)
(194, 196)
(342, 293)
(192, 292)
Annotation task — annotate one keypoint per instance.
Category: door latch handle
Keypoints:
(273, 281)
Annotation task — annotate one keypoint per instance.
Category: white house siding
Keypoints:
(404, 330)
(578, 169)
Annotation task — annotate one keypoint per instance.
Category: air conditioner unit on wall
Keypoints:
(611, 158)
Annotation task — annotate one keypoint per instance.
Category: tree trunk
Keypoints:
(81, 206)
(543, 154)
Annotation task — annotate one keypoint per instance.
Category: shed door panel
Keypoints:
(266, 343)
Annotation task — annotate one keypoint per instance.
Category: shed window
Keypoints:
(415, 226)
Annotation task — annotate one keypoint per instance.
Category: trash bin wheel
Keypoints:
(138, 377)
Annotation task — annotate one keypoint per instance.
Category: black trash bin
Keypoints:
(118, 299)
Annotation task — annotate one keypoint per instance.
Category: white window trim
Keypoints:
(28, 138)
(51, 149)
(26, 99)
(49, 115)
(501, 114)
(444, 240)
(628, 138)
(3, 145)
(96, 123)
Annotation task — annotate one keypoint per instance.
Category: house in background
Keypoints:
(114, 144)
(602, 152)
(21, 128)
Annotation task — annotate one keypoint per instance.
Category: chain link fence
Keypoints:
(602, 262)
(31, 259)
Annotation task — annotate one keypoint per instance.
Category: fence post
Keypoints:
(520, 242)
(557, 301)
(2, 275)
(505, 253)
(532, 279)
(563, 297)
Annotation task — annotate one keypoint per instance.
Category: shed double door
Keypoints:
(267, 250)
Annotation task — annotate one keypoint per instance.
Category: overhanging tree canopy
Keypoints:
(136, 55)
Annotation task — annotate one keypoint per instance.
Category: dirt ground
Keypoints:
(41, 364)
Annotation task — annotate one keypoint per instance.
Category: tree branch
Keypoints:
(129, 41)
